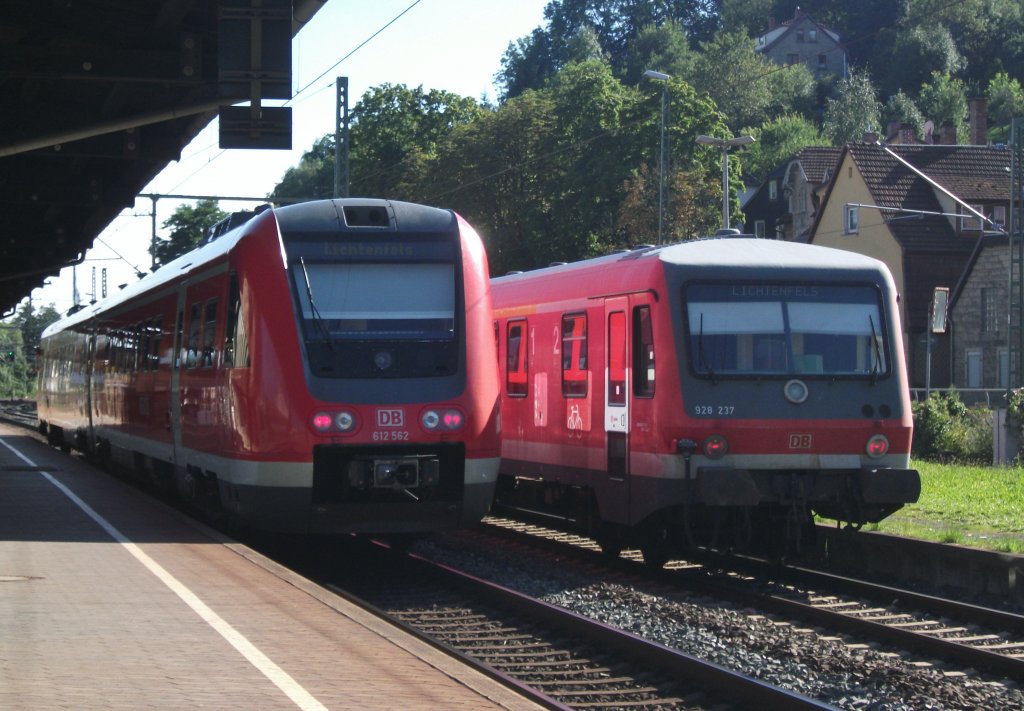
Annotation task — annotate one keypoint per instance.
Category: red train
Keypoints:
(715, 392)
(322, 367)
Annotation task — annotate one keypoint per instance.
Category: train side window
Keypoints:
(154, 353)
(516, 370)
(209, 334)
(146, 346)
(179, 336)
(643, 352)
(574, 355)
(194, 324)
(236, 339)
(617, 358)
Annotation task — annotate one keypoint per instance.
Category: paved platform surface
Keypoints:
(111, 600)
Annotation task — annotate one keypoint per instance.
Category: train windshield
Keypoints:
(785, 330)
(378, 319)
(379, 301)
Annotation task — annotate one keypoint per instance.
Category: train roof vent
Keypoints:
(727, 232)
(366, 216)
(232, 221)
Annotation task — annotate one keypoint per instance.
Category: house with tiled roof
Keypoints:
(979, 341)
(784, 205)
(916, 208)
(802, 40)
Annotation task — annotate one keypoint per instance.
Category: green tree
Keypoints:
(664, 49)
(188, 226)
(531, 61)
(313, 177)
(395, 131)
(900, 108)
(853, 111)
(777, 141)
(1005, 102)
(747, 87)
(944, 101)
(918, 50)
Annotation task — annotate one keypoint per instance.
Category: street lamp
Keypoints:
(662, 77)
(725, 144)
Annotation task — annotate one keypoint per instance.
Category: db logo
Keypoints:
(390, 418)
(800, 441)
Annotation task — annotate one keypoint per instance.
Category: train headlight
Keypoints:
(442, 420)
(716, 447)
(344, 421)
(878, 446)
(795, 391)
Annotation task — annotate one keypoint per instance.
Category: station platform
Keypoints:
(111, 600)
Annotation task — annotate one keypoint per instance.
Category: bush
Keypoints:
(945, 429)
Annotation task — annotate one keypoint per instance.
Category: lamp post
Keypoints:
(662, 77)
(725, 144)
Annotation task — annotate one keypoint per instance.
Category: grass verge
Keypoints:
(970, 505)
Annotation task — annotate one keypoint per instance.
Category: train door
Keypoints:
(616, 407)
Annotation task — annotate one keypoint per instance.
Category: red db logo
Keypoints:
(390, 418)
(800, 441)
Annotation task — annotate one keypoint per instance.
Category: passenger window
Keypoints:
(209, 333)
(516, 371)
(236, 341)
(643, 352)
(154, 354)
(194, 325)
(574, 355)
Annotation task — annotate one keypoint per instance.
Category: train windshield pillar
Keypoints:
(738, 330)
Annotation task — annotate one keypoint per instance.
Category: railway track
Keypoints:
(563, 660)
(19, 412)
(961, 634)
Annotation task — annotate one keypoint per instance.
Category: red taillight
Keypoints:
(716, 447)
(878, 446)
(322, 422)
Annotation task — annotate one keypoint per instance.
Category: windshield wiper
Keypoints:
(877, 365)
(317, 318)
(702, 358)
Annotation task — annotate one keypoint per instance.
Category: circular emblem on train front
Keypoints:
(382, 360)
(795, 391)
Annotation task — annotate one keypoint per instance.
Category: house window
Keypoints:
(759, 228)
(968, 222)
(989, 311)
(792, 59)
(822, 61)
(1003, 363)
(799, 35)
(851, 220)
(773, 190)
(974, 368)
(812, 35)
(999, 216)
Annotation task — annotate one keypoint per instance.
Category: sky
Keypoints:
(452, 45)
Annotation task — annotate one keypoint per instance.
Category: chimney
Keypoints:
(978, 121)
(771, 22)
(797, 13)
(907, 134)
(947, 135)
(870, 137)
(891, 129)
